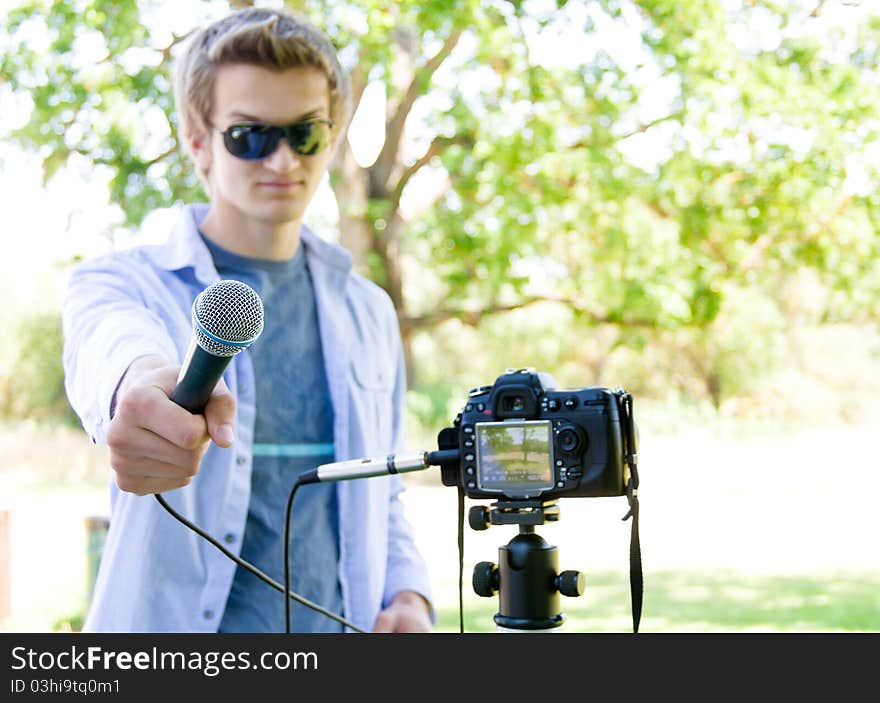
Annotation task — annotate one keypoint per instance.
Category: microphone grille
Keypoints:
(227, 317)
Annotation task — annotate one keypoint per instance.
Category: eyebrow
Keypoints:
(236, 115)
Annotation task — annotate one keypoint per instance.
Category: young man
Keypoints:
(262, 102)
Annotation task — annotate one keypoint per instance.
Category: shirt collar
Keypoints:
(185, 248)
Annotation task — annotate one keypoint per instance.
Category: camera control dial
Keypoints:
(571, 439)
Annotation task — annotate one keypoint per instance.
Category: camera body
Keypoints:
(522, 438)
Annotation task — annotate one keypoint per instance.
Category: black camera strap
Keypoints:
(636, 579)
(460, 559)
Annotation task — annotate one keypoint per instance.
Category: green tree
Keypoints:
(33, 384)
(663, 157)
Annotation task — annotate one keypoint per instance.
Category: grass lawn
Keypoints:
(691, 601)
(739, 534)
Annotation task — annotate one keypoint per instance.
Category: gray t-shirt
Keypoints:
(293, 433)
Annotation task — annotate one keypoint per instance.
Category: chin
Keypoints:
(276, 206)
(281, 215)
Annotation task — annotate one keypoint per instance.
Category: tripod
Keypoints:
(526, 576)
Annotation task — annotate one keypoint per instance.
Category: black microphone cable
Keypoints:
(357, 469)
(287, 512)
(257, 572)
(227, 317)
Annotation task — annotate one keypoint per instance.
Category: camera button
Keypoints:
(468, 407)
(468, 429)
(560, 484)
(471, 484)
(481, 407)
(571, 403)
(468, 457)
(553, 404)
(468, 444)
(469, 470)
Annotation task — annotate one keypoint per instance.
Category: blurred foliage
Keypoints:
(32, 385)
(635, 206)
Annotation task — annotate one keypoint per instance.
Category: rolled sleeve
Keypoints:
(106, 327)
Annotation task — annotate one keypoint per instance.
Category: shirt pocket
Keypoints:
(371, 374)
(372, 392)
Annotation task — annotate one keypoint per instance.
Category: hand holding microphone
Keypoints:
(165, 416)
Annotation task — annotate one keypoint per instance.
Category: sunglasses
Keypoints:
(252, 141)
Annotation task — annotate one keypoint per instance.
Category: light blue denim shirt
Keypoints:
(158, 576)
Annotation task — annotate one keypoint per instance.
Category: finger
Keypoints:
(164, 378)
(145, 445)
(414, 624)
(220, 415)
(137, 467)
(150, 408)
(384, 623)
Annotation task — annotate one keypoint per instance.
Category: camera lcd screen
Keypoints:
(515, 458)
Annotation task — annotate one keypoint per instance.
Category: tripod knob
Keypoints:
(485, 579)
(571, 583)
(478, 517)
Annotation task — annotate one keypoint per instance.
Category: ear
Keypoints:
(198, 143)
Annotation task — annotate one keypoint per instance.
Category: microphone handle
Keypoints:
(198, 377)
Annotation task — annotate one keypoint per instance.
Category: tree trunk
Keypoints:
(351, 187)
(388, 249)
(355, 189)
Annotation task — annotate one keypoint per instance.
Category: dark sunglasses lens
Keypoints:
(251, 141)
(308, 138)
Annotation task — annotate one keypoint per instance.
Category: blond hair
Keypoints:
(273, 39)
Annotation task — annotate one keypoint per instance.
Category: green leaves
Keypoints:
(637, 163)
(101, 92)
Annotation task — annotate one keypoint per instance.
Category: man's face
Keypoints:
(276, 189)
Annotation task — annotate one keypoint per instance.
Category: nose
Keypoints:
(283, 159)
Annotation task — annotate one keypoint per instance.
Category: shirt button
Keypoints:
(241, 460)
(208, 614)
(229, 538)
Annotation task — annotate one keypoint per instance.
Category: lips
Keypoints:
(282, 185)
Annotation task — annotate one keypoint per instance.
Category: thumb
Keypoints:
(220, 415)
(384, 622)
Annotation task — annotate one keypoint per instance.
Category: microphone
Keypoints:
(227, 317)
(380, 466)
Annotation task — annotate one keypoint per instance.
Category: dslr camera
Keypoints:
(524, 439)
